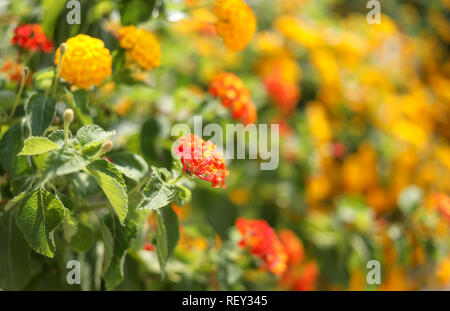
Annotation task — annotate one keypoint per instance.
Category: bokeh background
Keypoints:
(364, 115)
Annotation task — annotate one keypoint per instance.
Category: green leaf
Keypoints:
(39, 111)
(229, 274)
(112, 184)
(129, 164)
(78, 101)
(43, 78)
(36, 145)
(38, 217)
(83, 239)
(93, 135)
(158, 193)
(64, 161)
(7, 99)
(70, 226)
(58, 137)
(15, 264)
(10, 145)
(83, 184)
(135, 11)
(167, 234)
(151, 142)
(11, 203)
(117, 239)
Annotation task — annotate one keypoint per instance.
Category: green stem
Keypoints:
(66, 133)
(139, 185)
(180, 177)
(57, 73)
(96, 156)
(22, 85)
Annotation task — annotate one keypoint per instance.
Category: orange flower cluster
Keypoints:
(263, 242)
(298, 276)
(86, 63)
(234, 96)
(13, 70)
(284, 94)
(141, 45)
(293, 246)
(443, 205)
(236, 23)
(281, 74)
(202, 159)
(32, 38)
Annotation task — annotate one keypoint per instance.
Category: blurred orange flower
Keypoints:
(263, 242)
(234, 96)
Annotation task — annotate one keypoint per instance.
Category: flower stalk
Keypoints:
(19, 95)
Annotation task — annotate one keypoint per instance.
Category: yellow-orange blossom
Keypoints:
(236, 23)
(142, 46)
(86, 62)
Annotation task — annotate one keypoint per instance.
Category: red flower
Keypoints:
(263, 242)
(338, 149)
(284, 94)
(308, 278)
(32, 38)
(148, 247)
(293, 246)
(234, 96)
(202, 159)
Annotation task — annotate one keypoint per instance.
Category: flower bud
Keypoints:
(68, 116)
(63, 48)
(107, 146)
(25, 72)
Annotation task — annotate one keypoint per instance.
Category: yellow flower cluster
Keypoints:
(141, 45)
(86, 62)
(236, 23)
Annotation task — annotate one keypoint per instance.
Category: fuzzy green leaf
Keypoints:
(93, 135)
(58, 137)
(36, 145)
(40, 111)
(129, 164)
(117, 239)
(38, 217)
(65, 161)
(158, 193)
(112, 184)
(15, 263)
(167, 234)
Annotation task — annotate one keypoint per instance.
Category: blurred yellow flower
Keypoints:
(318, 122)
(236, 23)
(141, 45)
(359, 171)
(318, 188)
(298, 31)
(123, 106)
(443, 271)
